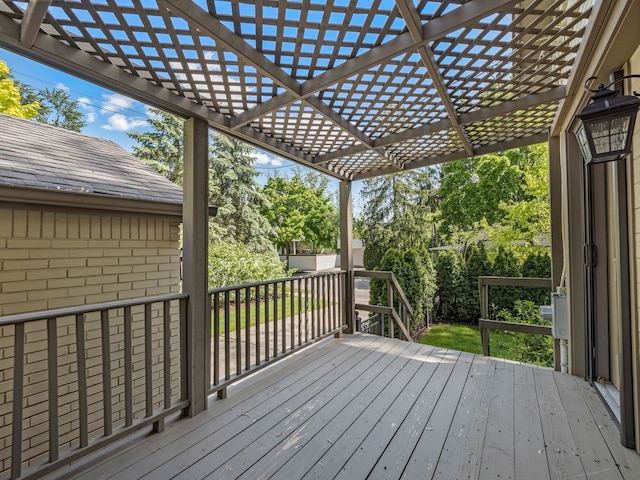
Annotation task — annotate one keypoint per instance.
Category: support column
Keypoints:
(574, 228)
(346, 252)
(195, 234)
(555, 197)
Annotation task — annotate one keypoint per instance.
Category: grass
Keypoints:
(253, 310)
(466, 338)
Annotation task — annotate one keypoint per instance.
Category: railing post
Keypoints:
(346, 254)
(195, 238)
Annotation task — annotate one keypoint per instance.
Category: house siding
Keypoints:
(53, 260)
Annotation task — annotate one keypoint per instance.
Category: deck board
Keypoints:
(367, 407)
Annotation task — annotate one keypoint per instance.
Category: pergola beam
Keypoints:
(460, 154)
(211, 26)
(33, 18)
(554, 94)
(412, 19)
(468, 14)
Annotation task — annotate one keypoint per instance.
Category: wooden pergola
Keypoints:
(352, 89)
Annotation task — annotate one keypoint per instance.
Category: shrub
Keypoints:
(235, 264)
(448, 281)
(476, 265)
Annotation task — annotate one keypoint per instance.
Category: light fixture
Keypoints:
(604, 127)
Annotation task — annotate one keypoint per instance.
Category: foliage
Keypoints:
(297, 211)
(233, 188)
(163, 147)
(477, 264)
(448, 281)
(57, 109)
(415, 274)
(536, 349)
(235, 264)
(537, 265)
(11, 99)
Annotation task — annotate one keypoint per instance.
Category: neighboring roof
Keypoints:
(352, 88)
(33, 155)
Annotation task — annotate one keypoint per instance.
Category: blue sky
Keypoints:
(110, 115)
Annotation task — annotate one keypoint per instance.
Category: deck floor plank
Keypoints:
(387, 434)
(314, 437)
(425, 455)
(592, 448)
(365, 407)
(562, 454)
(311, 416)
(215, 450)
(498, 453)
(460, 457)
(530, 457)
(337, 450)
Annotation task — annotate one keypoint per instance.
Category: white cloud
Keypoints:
(62, 86)
(119, 123)
(261, 158)
(116, 102)
(89, 110)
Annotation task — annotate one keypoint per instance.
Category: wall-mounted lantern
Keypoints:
(604, 127)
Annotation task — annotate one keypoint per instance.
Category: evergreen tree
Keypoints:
(57, 109)
(476, 265)
(503, 298)
(448, 281)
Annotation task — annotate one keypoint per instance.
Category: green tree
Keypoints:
(477, 264)
(11, 99)
(504, 265)
(162, 147)
(299, 212)
(234, 189)
(57, 109)
(448, 282)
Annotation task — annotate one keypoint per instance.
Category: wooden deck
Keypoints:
(369, 407)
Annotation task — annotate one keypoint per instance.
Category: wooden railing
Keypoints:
(84, 377)
(485, 324)
(397, 313)
(258, 323)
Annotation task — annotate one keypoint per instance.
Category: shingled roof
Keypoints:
(33, 155)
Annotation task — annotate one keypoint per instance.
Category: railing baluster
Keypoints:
(284, 317)
(238, 317)
(106, 373)
(275, 319)
(257, 307)
(148, 373)
(306, 308)
(314, 305)
(247, 327)
(52, 370)
(216, 338)
(227, 336)
(167, 353)
(18, 396)
(128, 368)
(292, 317)
(184, 370)
(83, 410)
(334, 303)
(266, 322)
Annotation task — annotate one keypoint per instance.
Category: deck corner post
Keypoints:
(195, 221)
(346, 254)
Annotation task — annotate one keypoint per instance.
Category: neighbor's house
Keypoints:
(82, 221)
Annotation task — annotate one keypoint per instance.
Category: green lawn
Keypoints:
(466, 338)
(262, 307)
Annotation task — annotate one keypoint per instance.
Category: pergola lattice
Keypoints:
(353, 88)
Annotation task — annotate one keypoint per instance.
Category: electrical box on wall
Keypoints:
(560, 320)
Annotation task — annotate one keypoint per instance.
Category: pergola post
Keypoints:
(346, 252)
(574, 229)
(555, 197)
(195, 222)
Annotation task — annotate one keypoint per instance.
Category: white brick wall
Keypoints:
(53, 260)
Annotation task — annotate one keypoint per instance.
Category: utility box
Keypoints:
(560, 319)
